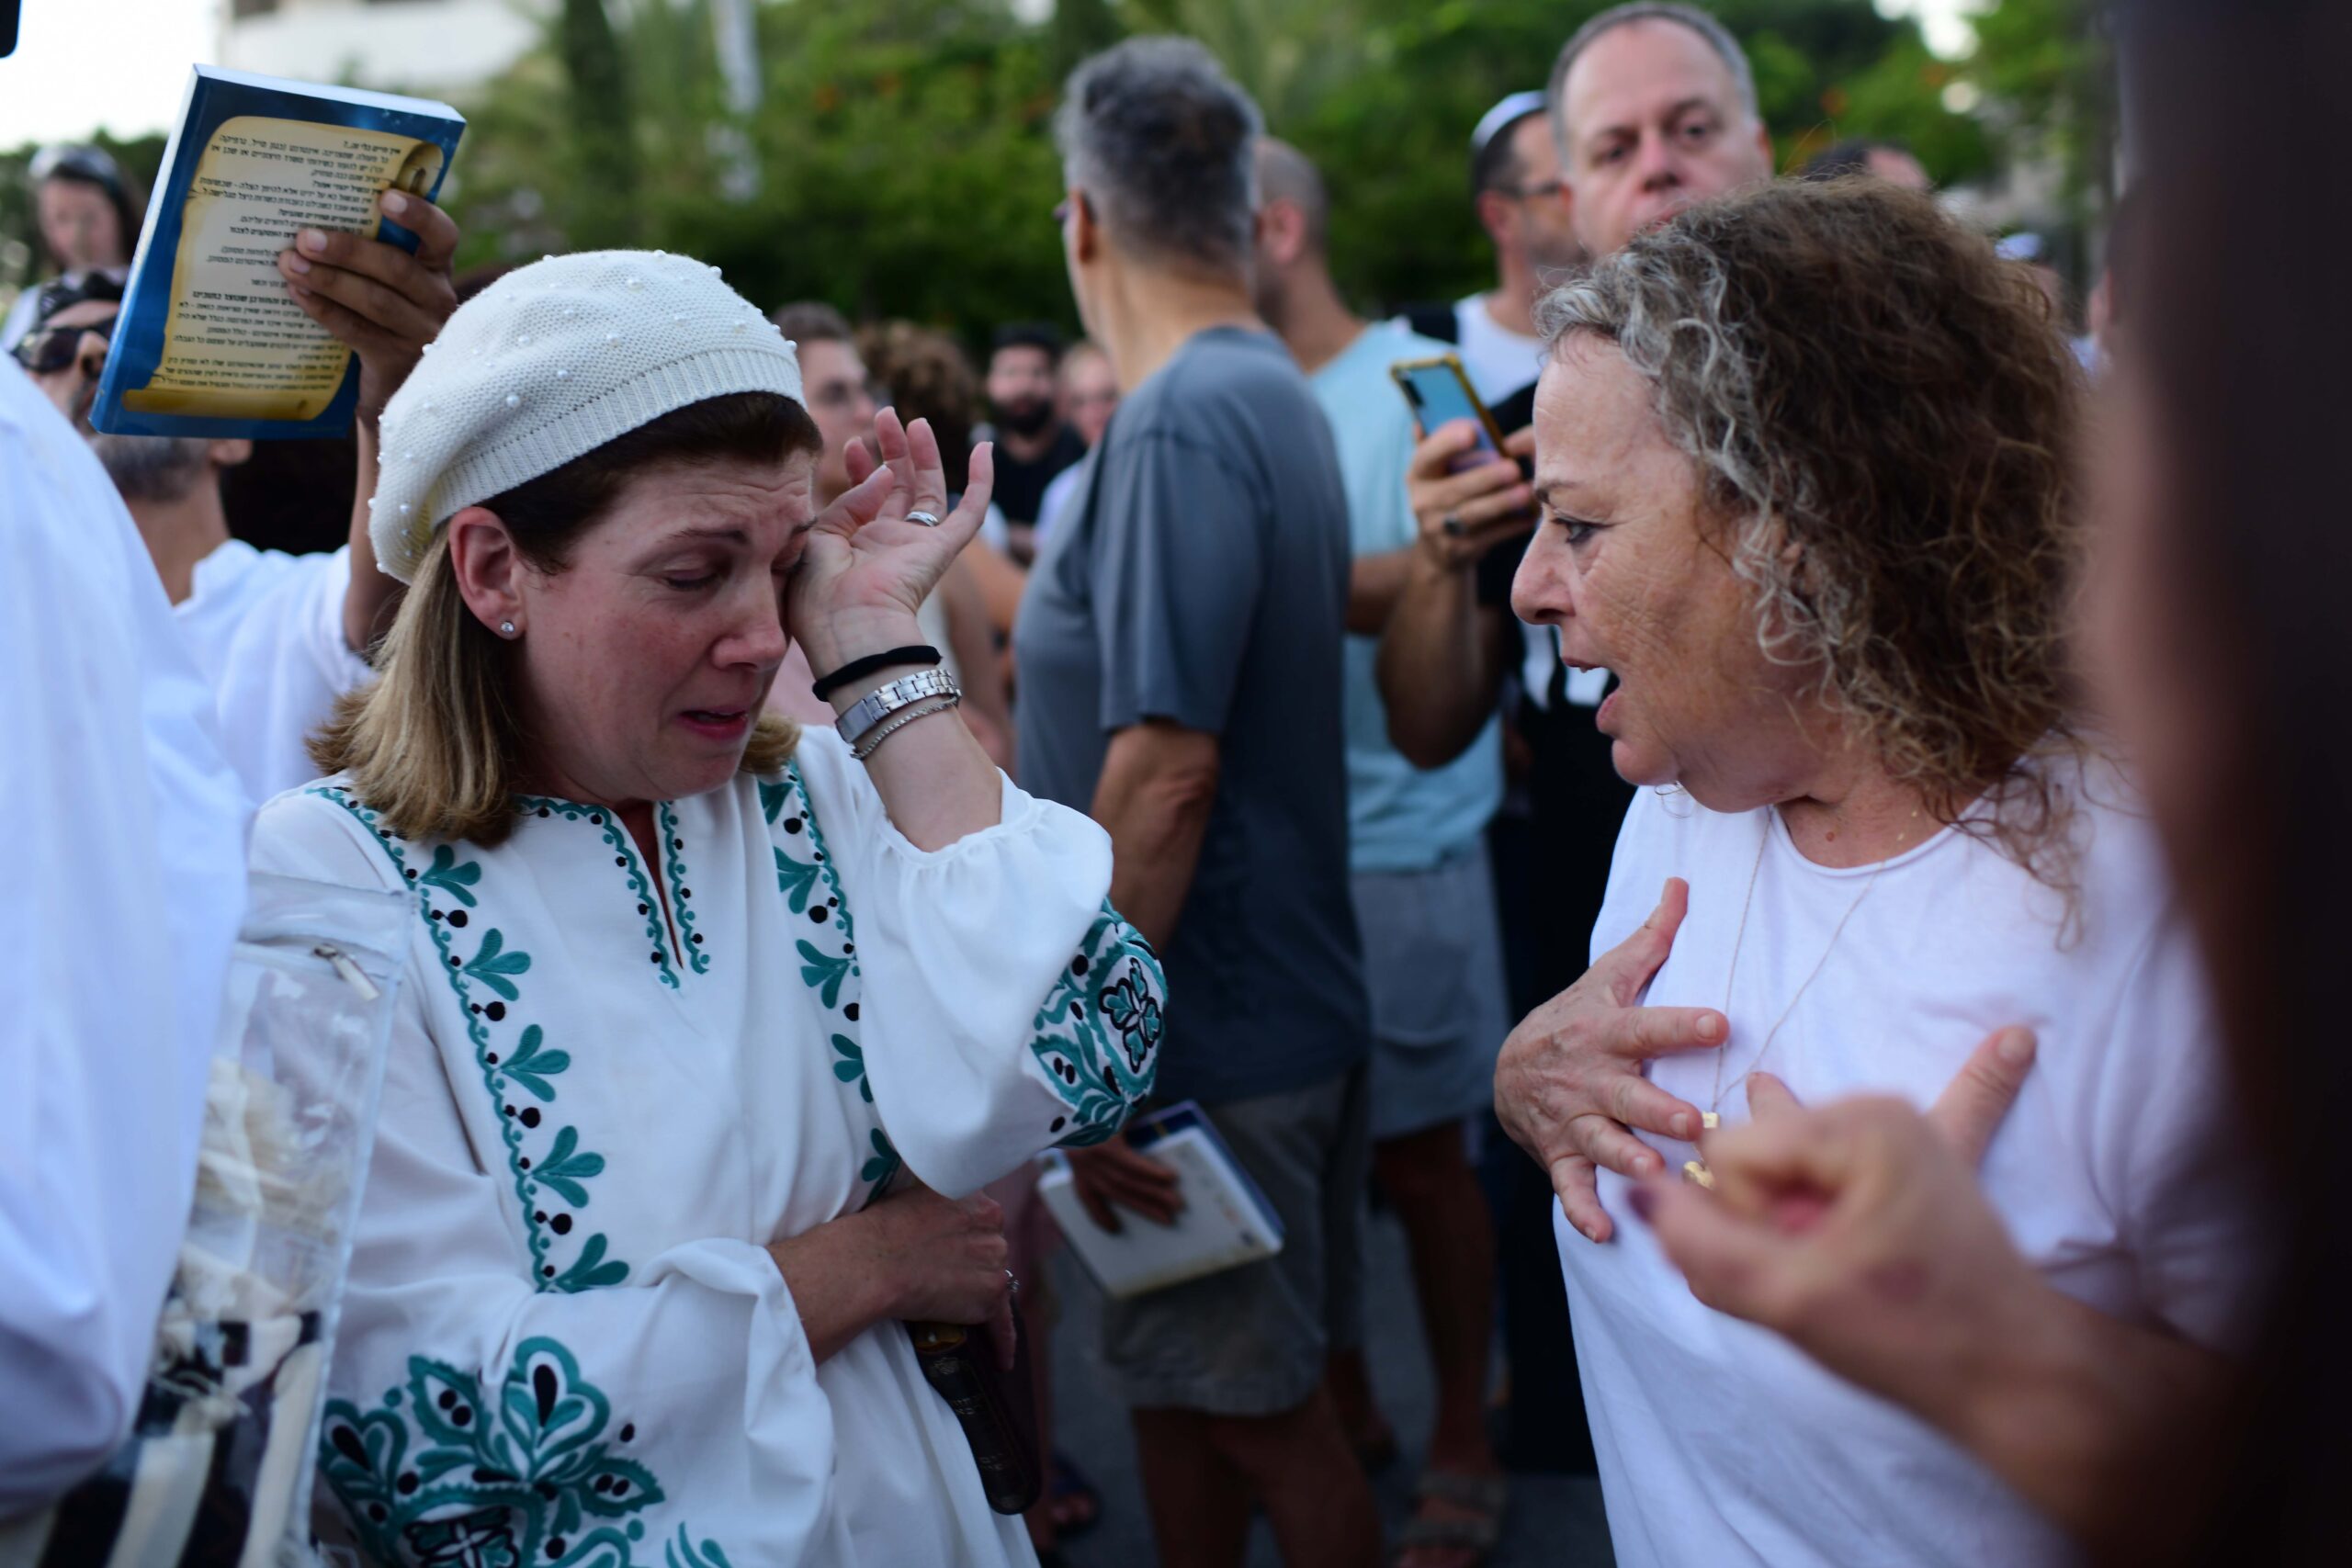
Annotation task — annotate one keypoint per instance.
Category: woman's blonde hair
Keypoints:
(432, 746)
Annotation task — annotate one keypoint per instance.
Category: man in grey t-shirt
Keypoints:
(1179, 646)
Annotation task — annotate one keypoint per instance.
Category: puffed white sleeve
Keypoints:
(471, 1416)
(1008, 1007)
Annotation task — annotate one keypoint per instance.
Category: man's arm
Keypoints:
(1374, 583)
(386, 305)
(1158, 783)
(1441, 663)
(1443, 653)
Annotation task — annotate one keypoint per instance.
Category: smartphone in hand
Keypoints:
(1439, 392)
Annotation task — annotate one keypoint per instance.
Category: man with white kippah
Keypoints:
(674, 1145)
(278, 636)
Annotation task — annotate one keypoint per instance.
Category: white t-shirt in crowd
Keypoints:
(1499, 360)
(266, 630)
(1721, 1443)
(128, 851)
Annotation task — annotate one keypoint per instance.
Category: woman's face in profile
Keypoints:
(1621, 564)
(645, 659)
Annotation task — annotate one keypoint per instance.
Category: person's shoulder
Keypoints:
(323, 829)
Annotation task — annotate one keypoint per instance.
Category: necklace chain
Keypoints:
(1715, 1104)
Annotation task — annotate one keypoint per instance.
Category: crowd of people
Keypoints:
(1797, 859)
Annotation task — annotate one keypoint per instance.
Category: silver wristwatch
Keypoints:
(883, 701)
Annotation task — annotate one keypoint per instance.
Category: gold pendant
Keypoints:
(1695, 1171)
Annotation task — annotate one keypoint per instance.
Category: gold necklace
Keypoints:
(1696, 1171)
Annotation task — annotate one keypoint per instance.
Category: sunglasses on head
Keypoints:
(50, 350)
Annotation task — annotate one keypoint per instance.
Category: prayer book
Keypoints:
(210, 343)
(1225, 1221)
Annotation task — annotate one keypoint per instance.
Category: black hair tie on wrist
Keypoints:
(825, 686)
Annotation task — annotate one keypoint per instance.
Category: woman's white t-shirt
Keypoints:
(1720, 1442)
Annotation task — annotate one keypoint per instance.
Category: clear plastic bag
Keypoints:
(217, 1471)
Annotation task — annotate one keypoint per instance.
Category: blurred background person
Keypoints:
(1522, 205)
(1033, 442)
(88, 216)
(1089, 392)
(279, 636)
(1179, 654)
(1890, 161)
(1838, 634)
(1424, 901)
(923, 374)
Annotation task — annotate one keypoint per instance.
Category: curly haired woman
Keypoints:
(1805, 458)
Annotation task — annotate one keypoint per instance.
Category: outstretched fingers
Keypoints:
(1580, 1193)
(1973, 1106)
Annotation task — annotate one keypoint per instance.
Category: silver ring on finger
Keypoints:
(1451, 527)
(928, 519)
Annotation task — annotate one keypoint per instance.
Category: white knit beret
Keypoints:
(549, 363)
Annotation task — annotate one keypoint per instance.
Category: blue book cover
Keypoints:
(209, 342)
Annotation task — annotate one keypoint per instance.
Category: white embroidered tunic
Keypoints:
(563, 1342)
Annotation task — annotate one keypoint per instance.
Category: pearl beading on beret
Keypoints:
(549, 363)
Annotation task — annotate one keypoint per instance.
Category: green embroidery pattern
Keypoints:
(834, 976)
(1101, 1058)
(673, 844)
(530, 1067)
(527, 1476)
(624, 850)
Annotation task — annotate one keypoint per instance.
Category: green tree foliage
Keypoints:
(903, 154)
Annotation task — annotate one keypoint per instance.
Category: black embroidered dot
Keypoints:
(628, 1432)
(540, 1215)
(619, 1486)
(1076, 1011)
(1069, 1074)
(436, 914)
(641, 909)
(620, 860)
(456, 917)
(1078, 965)
(849, 947)
(561, 1224)
(604, 1485)
(555, 1547)
(792, 824)
(409, 1483)
(378, 1512)
(409, 871)
(696, 938)
(1058, 1125)
(598, 818)
(510, 1110)
(448, 1398)
(819, 857)
(850, 1013)
(655, 955)
(530, 1116)
(547, 1270)
(525, 1164)
(491, 1058)
(495, 1012)
(677, 843)
(818, 913)
(456, 962)
(476, 1006)
(461, 1416)
(685, 892)
(543, 811)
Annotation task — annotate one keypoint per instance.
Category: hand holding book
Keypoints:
(383, 302)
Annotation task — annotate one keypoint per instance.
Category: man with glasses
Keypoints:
(278, 636)
(1523, 206)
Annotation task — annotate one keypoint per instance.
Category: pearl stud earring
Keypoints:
(505, 629)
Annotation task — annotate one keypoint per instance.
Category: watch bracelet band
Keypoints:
(885, 700)
(921, 710)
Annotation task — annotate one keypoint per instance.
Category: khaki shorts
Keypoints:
(1252, 1341)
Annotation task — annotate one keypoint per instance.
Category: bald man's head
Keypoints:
(1287, 175)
